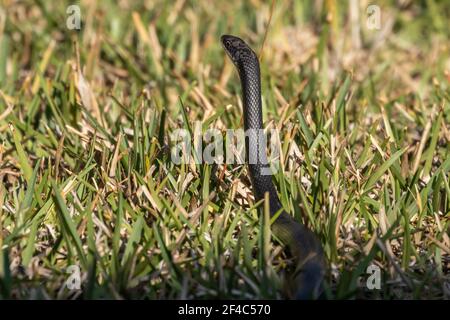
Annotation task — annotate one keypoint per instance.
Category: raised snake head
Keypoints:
(237, 49)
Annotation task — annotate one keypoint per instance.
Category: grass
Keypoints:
(87, 178)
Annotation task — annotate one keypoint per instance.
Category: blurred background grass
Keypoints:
(85, 121)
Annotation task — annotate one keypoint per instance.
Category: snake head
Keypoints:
(237, 49)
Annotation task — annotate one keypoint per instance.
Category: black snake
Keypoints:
(302, 243)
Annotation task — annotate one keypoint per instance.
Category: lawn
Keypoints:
(93, 206)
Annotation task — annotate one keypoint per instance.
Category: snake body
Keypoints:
(302, 243)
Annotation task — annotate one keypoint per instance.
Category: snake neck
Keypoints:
(250, 77)
(255, 141)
